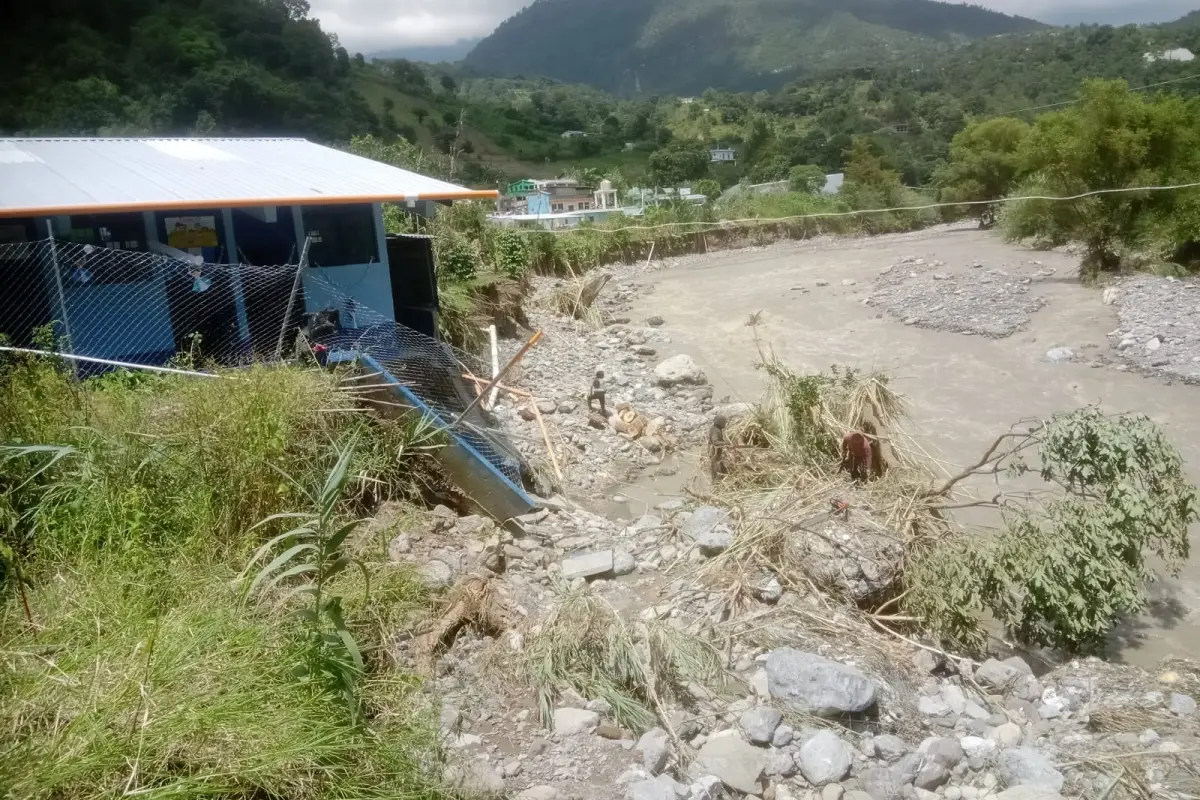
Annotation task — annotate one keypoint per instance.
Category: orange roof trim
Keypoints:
(185, 205)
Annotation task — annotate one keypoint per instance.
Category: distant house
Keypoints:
(1177, 54)
(574, 134)
(606, 196)
(520, 189)
(566, 194)
(722, 155)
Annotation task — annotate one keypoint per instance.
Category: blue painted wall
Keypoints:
(120, 321)
(539, 203)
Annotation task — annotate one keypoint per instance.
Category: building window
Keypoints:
(340, 235)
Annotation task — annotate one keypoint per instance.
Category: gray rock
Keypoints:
(572, 721)
(623, 563)
(1007, 735)
(978, 747)
(680, 369)
(655, 321)
(649, 790)
(818, 685)
(738, 764)
(783, 736)
(709, 528)
(890, 748)
(1059, 355)
(475, 778)
(996, 675)
(880, 784)
(708, 787)
(932, 706)
(540, 793)
(781, 764)
(760, 723)
(1028, 793)
(399, 547)
(1025, 766)
(474, 525)
(930, 776)
(1019, 664)
(588, 565)
(655, 746)
(947, 752)
(436, 575)
(925, 661)
(1182, 705)
(824, 758)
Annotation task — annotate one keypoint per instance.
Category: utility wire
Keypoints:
(1076, 100)
(827, 214)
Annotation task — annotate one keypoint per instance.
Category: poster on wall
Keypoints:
(189, 233)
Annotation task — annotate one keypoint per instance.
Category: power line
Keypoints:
(829, 214)
(1076, 100)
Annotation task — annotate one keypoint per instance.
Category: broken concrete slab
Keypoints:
(588, 565)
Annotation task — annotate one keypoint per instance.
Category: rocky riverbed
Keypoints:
(817, 703)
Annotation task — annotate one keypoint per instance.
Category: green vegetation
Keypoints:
(1065, 570)
(684, 46)
(130, 661)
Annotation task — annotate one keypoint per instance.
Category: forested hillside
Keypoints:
(234, 66)
(686, 46)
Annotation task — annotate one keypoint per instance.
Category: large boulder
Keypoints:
(678, 370)
(824, 758)
(818, 685)
(655, 745)
(1026, 766)
(709, 528)
(737, 763)
(851, 556)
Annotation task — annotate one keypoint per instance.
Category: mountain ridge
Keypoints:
(686, 46)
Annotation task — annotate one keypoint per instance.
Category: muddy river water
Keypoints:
(964, 390)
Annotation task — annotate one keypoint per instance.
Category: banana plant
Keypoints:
(304, 560)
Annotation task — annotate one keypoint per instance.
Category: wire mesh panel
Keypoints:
(115, 307)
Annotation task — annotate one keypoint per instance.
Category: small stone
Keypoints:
(822, 282)
(399, 547)
(1182, 705)
(833, 791)
(547, 406)
(1059, 355)
(890, 748)
(623, 563)
(771, 591)
(1153, 344)
(925, 661)
(540, 793)
(1025, 766)
(978, 747)
(849, 282)
(436, 575)
(738, 764)
(932, 706)
(1007, 735)
(996, 675)
(606, 730)
(783, 736)
(475, 778)
(824, 758)
(947, 752)
(708, 787)
(759, 724)
(572, 721)
(649, 790)
(511, 769)
(655, 321)
(931, 775)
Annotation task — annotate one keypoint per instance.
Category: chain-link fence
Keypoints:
(111, 307)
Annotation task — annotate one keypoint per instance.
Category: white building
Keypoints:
(723, 155)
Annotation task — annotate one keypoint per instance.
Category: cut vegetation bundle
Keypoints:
(129, 663)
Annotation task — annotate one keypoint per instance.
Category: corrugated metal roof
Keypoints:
(42, 177)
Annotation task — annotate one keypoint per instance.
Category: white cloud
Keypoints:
(368, 25)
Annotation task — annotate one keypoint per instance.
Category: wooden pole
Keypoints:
(496, 380)
(549, 447)
(495, 366)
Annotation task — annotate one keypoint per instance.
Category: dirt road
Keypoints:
(964, 389)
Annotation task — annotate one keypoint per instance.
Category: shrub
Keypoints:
(1063, 572)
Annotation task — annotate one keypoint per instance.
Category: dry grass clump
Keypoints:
(638, 667)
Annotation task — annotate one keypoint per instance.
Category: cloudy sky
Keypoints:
(369, 25)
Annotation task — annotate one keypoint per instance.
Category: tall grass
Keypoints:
(136, 668)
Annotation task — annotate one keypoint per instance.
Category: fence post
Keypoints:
(292, 298)
(62, 297)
